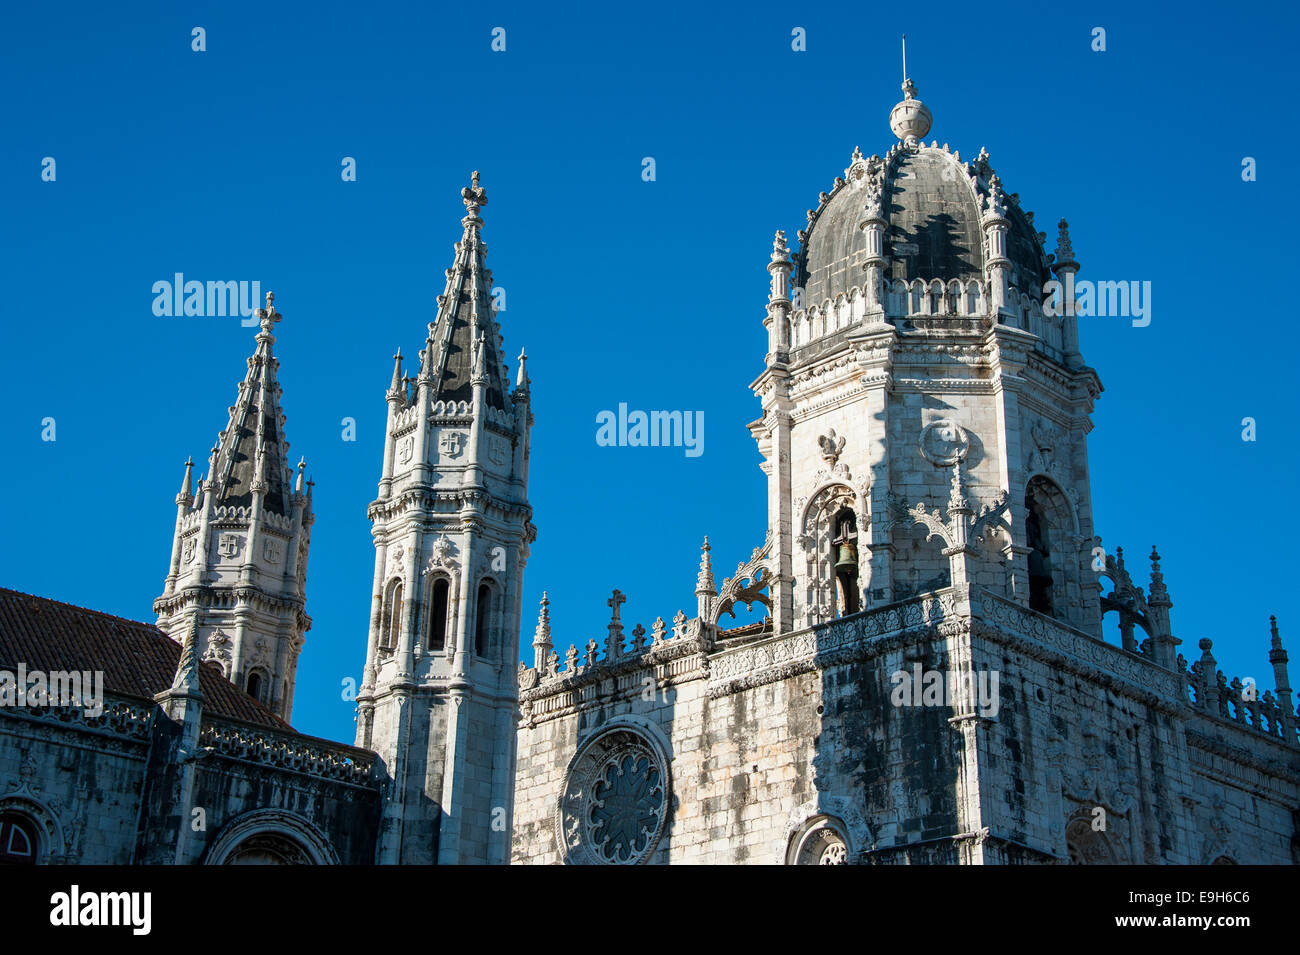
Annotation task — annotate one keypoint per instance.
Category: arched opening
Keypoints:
(268, 848)
(19, 841)
(392, 620)
(1088, 846)
(256, 684)
(438, 602)
(1038, 539)
(482, 620)
(845, 543)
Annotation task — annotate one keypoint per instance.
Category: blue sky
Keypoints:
(225, 164)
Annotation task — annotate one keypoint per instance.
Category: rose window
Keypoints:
(627, 802)
(615, 800)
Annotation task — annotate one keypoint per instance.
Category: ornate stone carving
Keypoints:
(615, 800)
(944, 442)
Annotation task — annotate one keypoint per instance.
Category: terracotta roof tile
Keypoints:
(137, 659)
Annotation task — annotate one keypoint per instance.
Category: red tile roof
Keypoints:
(137, 659)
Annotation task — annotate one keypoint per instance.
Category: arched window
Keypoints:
(438, 613)
(1038, 540)
(255, 684)
(18, 840)
(482, 620)
(392, 621)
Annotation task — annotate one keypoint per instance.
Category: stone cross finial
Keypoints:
(615, 602)
(614, 644)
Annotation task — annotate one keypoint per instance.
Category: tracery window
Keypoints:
(19, 843)
(1088, 846)
(615, 802)
(821, 840)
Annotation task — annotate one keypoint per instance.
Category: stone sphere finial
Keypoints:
(910, 119)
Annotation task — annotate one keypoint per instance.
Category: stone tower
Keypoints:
(438, 700)
(911, 362)
(239, 553)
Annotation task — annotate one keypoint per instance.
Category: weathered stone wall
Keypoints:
(764, 738)
(108, 791)
(78, 780)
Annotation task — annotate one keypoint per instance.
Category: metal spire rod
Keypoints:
(904, 57)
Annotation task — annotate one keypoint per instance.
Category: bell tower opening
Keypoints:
(845, 543)
(1038, 539)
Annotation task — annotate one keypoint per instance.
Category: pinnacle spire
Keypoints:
(252, 450)
(187, 486)
(465, 324)
(542, 635)
(187, 669)
(704, 581)
(395, 386)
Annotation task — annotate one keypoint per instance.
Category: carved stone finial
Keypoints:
(704, 580)
(473, 196)
(268, 316)
(542, 635)
(1064, 250)
(780, 251)
(910, 119)
(832, 445)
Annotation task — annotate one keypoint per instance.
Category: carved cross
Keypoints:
(615, 602)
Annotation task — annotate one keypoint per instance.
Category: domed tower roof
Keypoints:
(933, 203)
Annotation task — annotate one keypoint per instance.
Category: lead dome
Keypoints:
(934, 205)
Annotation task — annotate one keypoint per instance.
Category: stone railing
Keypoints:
(301, 754)
(1209, 691)
(852, 637)
(128, 719)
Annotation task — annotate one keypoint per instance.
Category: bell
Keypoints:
(848, 558)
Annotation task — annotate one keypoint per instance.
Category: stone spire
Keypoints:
(465, 318)
(542, 635)
(255, 430)
(239, 549)
(1281, 681)
(396, 388)
(705, 590)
